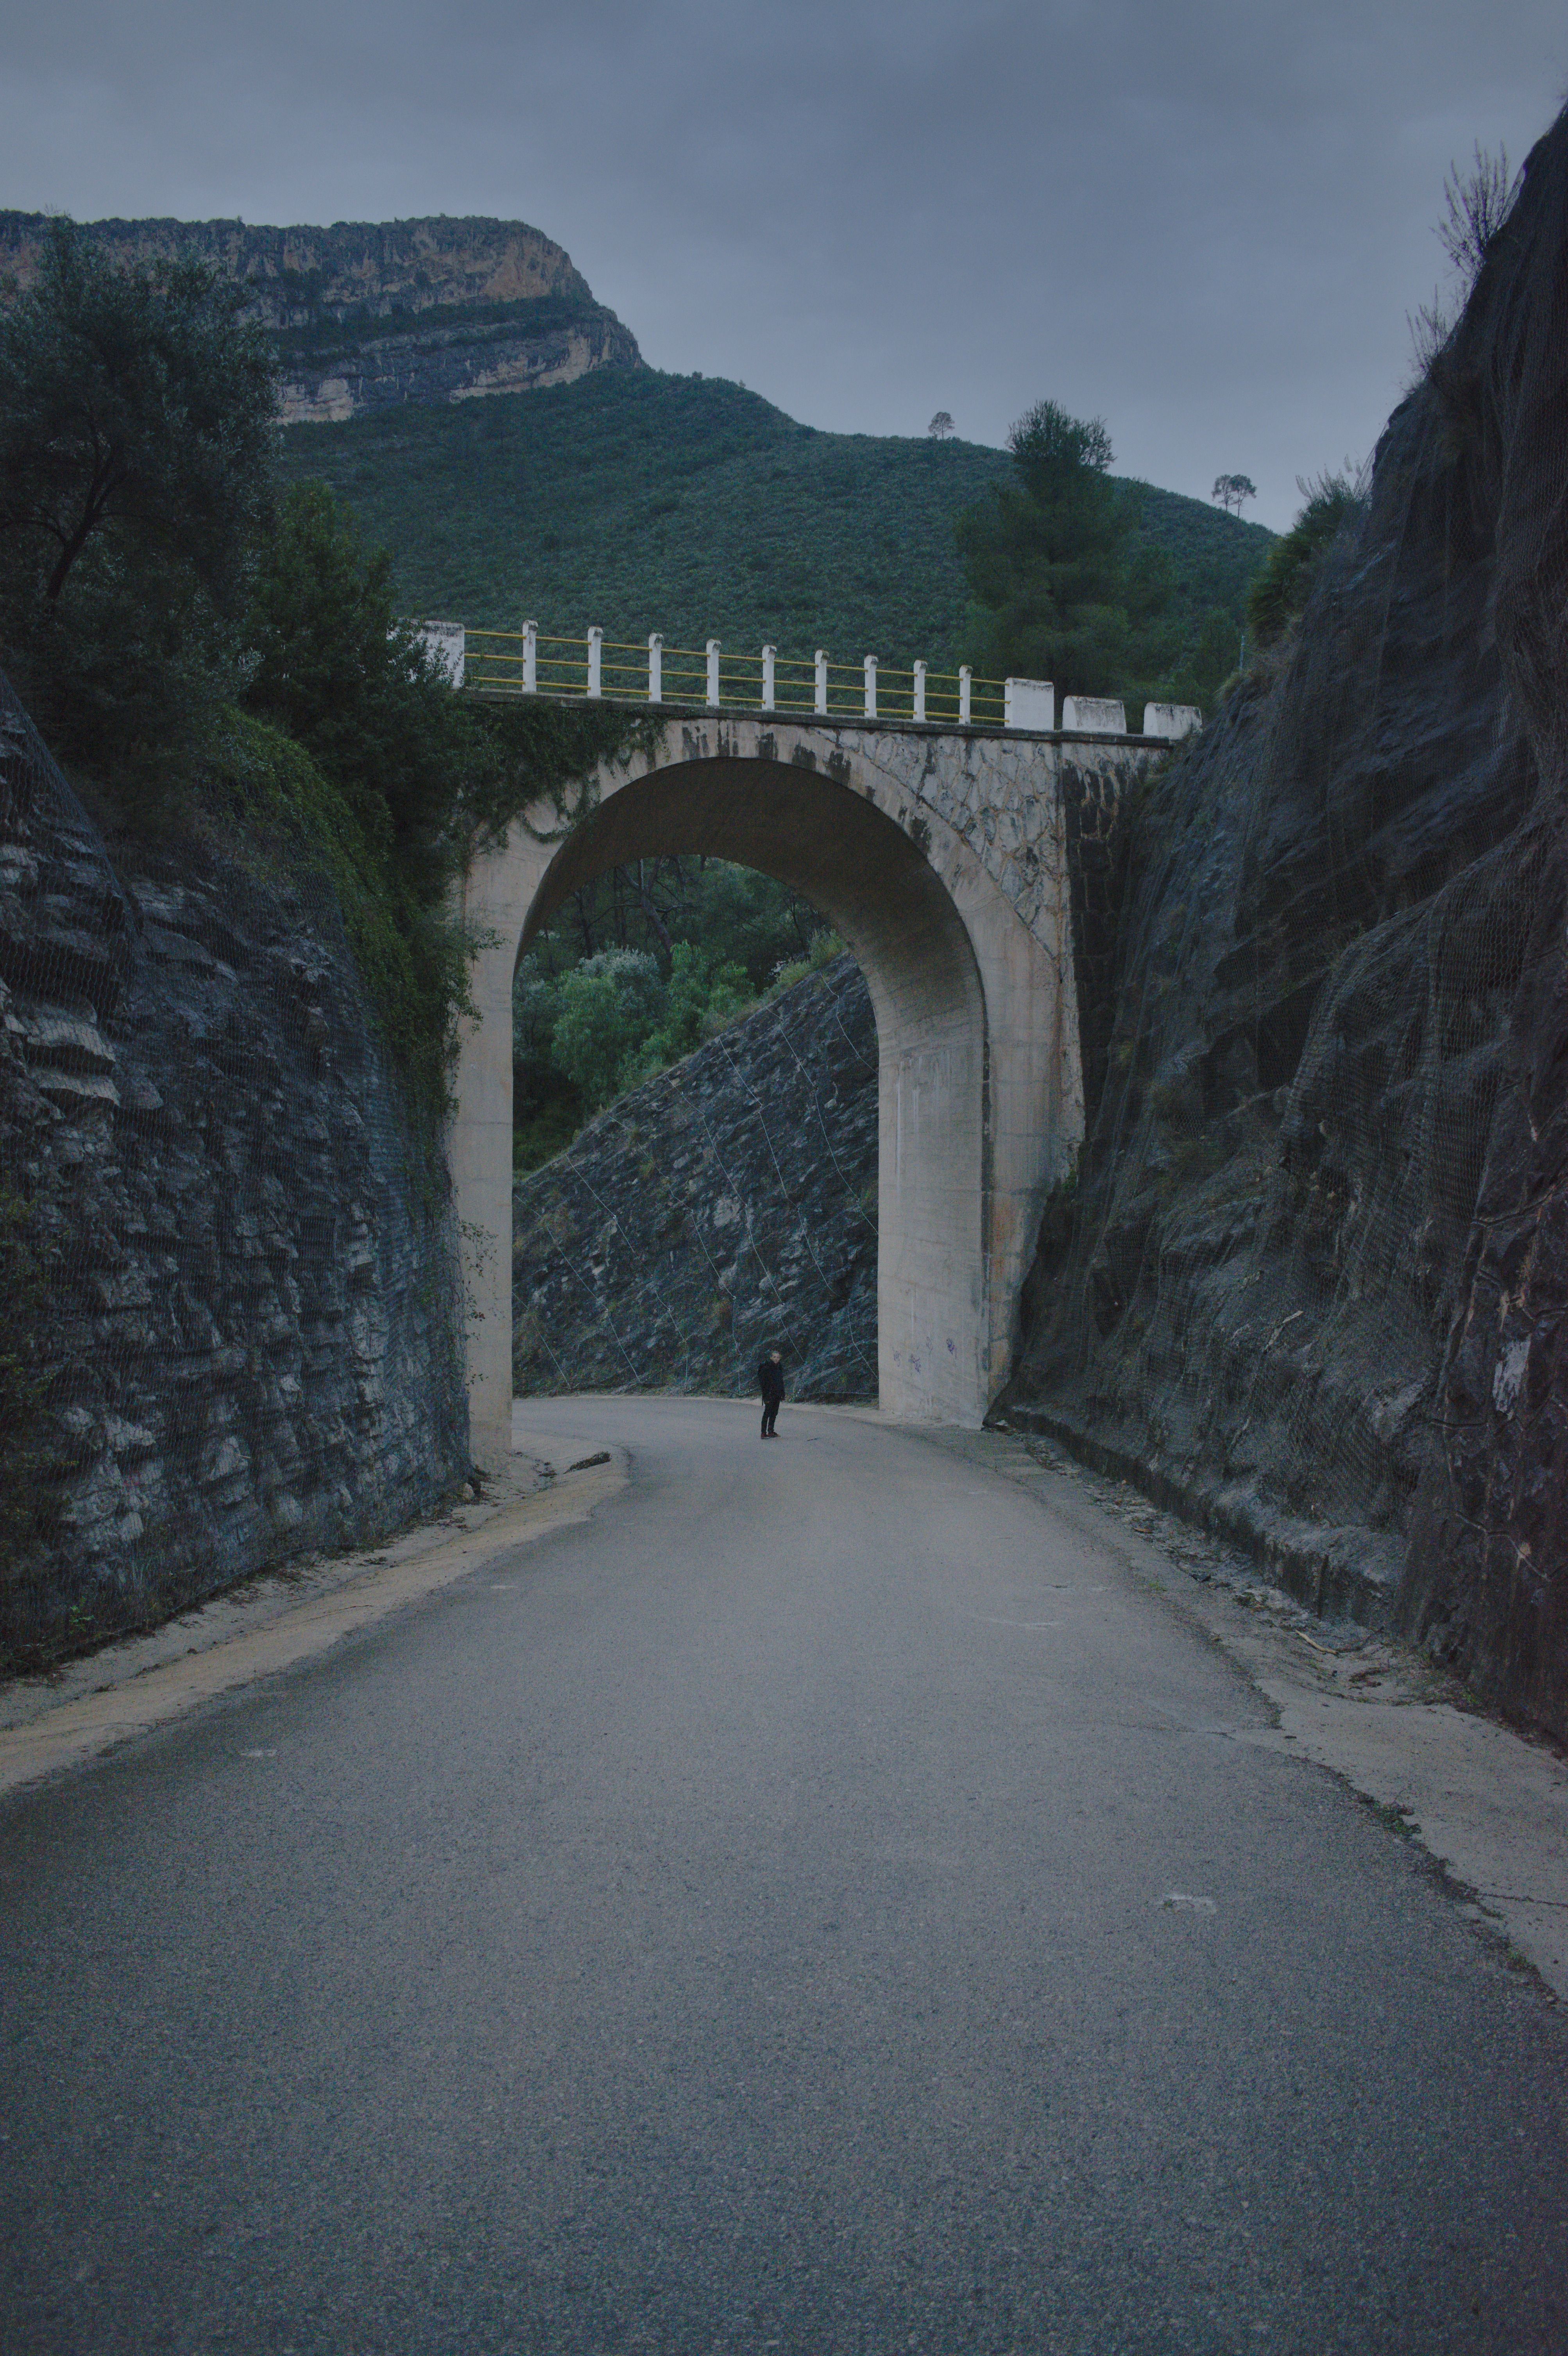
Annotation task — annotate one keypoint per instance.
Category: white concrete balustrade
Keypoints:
(1029, 703)
(525, 662)
(1172, 720)
(444, 641)
(1093, 715)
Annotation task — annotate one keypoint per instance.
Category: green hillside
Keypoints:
(641, 502)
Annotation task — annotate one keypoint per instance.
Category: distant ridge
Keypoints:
(373, 314)
(642, 501)
(614, 494)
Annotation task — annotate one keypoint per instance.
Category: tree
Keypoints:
(132, 402)
(136, 433)
(608, 1007)
(1062, 588)
(1232, 491)
(332, 665)
(704, 992)
(940, 426)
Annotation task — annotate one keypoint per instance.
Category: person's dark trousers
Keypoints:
(769, 1418)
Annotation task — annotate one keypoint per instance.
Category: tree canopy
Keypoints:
(636, 970)
(1233, 491)
(137, 438)
(1061, 586)
(135, 404)
(332, 665)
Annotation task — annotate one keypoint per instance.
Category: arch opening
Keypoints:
(876, 888)
(819, 837)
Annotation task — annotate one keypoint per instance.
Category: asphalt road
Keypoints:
(825, 1903)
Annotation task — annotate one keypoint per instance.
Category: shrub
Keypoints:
(1286, 582)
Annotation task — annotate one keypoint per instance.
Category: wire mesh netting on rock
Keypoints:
(233, 1327)
(722, 1210)
(1320, 1246)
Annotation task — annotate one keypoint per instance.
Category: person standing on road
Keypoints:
(770, 1383)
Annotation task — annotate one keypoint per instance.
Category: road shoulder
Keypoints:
(1486, 1803)
(52, 1724)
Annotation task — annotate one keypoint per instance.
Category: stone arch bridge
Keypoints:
(965, 869)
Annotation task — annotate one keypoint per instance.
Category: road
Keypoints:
(828, 1901)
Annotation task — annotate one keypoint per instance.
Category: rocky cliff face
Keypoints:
(242, 1313)
(369, 312)
(1315, 1281)
(726, 1209)
(446, 360)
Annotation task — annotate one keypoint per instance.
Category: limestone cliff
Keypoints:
(1315, 1276)
(446, 359)
(234, 1329)
(726, 1209)
(370, 313)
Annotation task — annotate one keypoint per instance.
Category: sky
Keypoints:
(1206, 221)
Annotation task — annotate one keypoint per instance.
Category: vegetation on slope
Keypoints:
(1065, 586)
(1282, 589)
(206, 654)
(641, 502)
(635, 971)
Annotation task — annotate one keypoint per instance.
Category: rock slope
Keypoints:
(725, 1208)
(235, 1298)
(1314, 1282)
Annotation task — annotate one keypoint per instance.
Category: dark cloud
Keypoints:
(1205, 222)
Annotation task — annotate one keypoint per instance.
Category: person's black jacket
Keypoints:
(770, 1380)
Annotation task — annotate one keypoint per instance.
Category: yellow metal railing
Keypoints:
(530, 662)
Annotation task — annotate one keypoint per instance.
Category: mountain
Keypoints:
(614, 494)
(377, 315)
(642, 501)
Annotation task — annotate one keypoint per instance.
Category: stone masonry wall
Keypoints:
(724, 1209)
(244, 1306)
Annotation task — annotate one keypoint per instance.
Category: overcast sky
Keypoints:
(1205, 220)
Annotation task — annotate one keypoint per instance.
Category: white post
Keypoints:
(964, 677)
(919, 690)
(530, 658)
(655, 667)
(595, 641)
(713, 672)
(767, 655)
(1029, 704)
(870, 687)
(821, 698)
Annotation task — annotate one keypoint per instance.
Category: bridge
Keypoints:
(947, 852)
